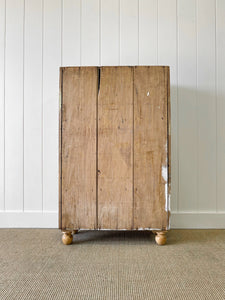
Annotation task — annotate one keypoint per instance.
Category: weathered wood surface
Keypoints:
(115, 148)
(150, 147)
(79, 96)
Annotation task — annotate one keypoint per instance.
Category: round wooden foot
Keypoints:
(160, 237)
(67, 237)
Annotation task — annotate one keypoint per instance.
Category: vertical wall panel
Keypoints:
(2, 104)
(51, 63)
(187, 106)
(167, 55)
(148, 32)
(33, 105)
(71, 32)
(110, 35)
(90, 33)
(14, 105)
(220, 75)
(129, 32)
(206, 105)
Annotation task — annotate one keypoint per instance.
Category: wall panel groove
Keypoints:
(14, 65)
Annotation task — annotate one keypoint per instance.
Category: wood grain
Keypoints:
(79, 147)
(150, 147)
(115, 148)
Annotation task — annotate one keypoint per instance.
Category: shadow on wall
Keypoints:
(197, 148)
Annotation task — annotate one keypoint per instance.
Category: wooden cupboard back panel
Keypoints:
(78, 142)
(150, 147)
(115, 148)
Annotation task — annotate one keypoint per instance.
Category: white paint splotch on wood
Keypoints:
(165, 173)
(167, 195)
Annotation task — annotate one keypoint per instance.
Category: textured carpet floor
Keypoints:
(34, 264)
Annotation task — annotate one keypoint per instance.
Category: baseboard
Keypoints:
(198, 220)
(49, 219)
(28, 219)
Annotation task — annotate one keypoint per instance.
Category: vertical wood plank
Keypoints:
(79, 147)
(115, 148)
(51, 63)
(110, 38)
(220, 75)
(187, 106)
(129, 32)
(90, 33)
(150, 147)
(71, 32)
(206, 98)
(14, 105)
(2, 104)
(167, 55)
(148, 31)
(33, 106)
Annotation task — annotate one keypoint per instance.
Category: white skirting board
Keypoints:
(197, 220)
(28, 219)
(49, 219)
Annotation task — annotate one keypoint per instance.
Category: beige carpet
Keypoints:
(34, 264)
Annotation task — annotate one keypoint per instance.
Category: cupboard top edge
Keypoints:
(101, 67)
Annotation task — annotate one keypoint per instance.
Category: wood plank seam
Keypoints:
(98, 90)
(123, 201)
(133, 155)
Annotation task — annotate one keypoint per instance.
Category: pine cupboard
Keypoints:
(114, 149)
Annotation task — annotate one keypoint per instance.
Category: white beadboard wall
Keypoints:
(39, 36)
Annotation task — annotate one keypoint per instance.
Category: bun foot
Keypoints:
(160, 237)
(67, 237)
